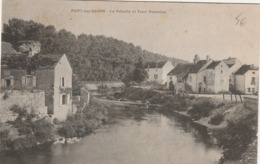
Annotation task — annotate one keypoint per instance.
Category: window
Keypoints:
(253, 90)
(64, 99)
(155, 76)
(170, 77)
(221, 71)
(253, 72)
(29, 81)
(8, 82)
(253, 81)
(205, 79)
(62, 82)
(248, 89)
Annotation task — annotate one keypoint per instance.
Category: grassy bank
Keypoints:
(230, 123)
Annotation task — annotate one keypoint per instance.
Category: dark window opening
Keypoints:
(63, 82)
(64, 99)
(8, 82)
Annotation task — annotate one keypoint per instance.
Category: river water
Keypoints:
(132, 136)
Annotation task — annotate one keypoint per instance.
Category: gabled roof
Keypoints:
(22, 61)
(213, 65)
(244, 68)
(7, 49)
(181, 69)
(159, 64)
(196, 67)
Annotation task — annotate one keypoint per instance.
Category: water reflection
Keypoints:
(133, 135)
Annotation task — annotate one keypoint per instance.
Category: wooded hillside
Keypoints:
(93, 58)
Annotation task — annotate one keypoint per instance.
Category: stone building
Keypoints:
(157, 71)
(246, 79)
(50, 73)
(214, 78)
(234, 64)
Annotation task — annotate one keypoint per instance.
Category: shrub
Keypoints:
(201, 108)
(83, 122)
(216, 119)
(31, 130)
(235, 138)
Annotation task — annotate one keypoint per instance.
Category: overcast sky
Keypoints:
(218, 30)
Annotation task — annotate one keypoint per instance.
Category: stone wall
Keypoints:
(32, 101)
(251, 103)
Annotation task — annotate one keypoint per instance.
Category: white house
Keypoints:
(191, 78)
(246, 79)
(234, 64)
(214, 78)
(157, 71)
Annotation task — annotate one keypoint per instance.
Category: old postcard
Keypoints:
(106, 82)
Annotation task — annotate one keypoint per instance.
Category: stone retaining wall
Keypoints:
(32, 101)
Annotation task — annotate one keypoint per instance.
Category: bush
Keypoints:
(32, 131)
(216, 119)
(176, 103)
(83, 122)
(201, 108)
(235, 138)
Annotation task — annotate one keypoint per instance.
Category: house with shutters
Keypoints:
(246, 79)
(48, 72)
(157, 71)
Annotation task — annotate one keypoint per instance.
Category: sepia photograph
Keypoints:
(109, 82)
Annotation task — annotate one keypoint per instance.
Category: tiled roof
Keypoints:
(196, 67)
(37, 61)
(180, 69)
(159, 64)
(244, 68)
(213, 65)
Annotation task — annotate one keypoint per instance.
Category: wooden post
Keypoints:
(231, 97)
(241, 98)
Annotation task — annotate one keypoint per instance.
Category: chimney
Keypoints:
(207, 58)
(196, 59)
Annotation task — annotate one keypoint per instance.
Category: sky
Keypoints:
(181, 31)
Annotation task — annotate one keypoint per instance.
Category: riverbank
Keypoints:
(232, 125)
(28, 130)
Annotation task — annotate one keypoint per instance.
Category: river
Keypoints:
(132, 136)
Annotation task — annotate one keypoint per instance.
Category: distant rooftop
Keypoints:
(7, 49)
(159, 64)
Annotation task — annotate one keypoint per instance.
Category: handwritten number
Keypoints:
(242, 21)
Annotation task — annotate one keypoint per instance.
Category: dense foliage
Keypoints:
(93, 58)
(83, 122)
(237, 136)
(201, 108)
(31, 131)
